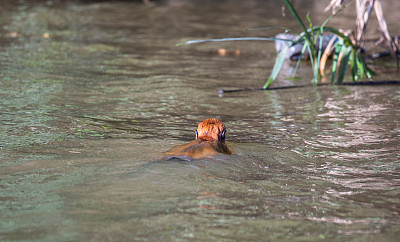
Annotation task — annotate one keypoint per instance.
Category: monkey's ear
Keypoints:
(221, 137)
(197, 134)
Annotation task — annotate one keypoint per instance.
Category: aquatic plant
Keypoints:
(345, 54)
(363, 12)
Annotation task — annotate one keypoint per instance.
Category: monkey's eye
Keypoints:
(222, 136)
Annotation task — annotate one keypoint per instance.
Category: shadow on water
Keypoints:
(93, 95)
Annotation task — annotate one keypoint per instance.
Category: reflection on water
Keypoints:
(88, 110)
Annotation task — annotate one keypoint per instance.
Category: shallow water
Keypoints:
(87, 114)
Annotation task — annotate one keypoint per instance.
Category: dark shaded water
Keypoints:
(93, 94)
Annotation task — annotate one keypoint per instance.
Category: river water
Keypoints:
(93, 93)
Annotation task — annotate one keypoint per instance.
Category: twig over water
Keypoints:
(366, 83)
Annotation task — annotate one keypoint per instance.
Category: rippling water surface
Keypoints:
(93, 94)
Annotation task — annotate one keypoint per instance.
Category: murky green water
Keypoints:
(93, 94)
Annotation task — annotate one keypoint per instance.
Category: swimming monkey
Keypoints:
(210, 140)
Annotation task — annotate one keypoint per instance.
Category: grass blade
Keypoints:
(299, 60)
(368, 72)
(353, 66)
(338, 50)
(226, 39)
(360, 66)
(344, 64)
(318, 57)
(298, 19)
(277, 67)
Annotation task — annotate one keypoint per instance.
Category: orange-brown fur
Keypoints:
(209, 129)
(210, 140)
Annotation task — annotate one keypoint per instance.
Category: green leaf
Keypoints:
(338, 49)
(368, 72)
(299, 60)
(346, 50)
(353, 66)
(298, 19)
(227, 39)
(318, 57)
(277, 67)
(268, 28)
(360, 67)
(310, 22)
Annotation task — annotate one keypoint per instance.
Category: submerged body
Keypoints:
(210, 140)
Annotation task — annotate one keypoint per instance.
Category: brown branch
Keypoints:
(366, 83)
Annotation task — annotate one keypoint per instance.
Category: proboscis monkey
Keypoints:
(210, 140)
